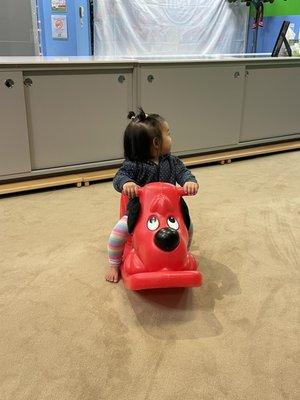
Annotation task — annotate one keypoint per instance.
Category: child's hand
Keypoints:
(130, 189)
(191, 188)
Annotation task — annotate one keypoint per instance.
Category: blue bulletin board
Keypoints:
(63, 31)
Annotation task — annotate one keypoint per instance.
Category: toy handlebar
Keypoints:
(180, 191)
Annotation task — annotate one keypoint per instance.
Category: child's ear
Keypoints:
(156, 142)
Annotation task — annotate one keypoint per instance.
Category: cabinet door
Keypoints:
(77, 117)
(14, 147)
(202, 104)
(271, 103)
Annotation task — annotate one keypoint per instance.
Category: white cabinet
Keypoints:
(203, 104)
(14, 146)
(272, 105)
(77, 117)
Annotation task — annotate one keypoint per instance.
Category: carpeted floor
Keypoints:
(66, 334)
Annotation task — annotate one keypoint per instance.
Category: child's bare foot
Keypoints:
(112, 275)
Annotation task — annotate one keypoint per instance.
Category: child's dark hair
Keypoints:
(139, 135)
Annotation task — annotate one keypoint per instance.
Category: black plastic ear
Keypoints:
(185, 213)
(133, 212)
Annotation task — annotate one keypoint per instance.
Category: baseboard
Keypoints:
(86, 177)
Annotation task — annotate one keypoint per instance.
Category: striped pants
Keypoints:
(118, 238)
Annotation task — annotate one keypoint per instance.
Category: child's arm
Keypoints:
(126, 173)
(185, 178)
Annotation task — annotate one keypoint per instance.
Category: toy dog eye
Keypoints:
(153, 223)
(172, 223)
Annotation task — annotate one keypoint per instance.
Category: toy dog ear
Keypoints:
(185, 213)
(133, 211)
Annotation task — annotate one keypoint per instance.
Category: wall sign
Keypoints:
(59, 5)
(59, 27)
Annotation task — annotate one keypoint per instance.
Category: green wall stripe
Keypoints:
(281, 8)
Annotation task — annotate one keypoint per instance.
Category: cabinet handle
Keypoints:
(121, 78)
(236, 75)
(150, 78)
(9, 83)
(28, 82)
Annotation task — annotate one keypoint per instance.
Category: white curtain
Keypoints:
(169, 27)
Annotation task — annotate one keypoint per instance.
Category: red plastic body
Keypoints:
(145, 265)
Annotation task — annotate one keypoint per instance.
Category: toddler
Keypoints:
(147, 146)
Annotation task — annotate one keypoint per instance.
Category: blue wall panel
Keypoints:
(268, 34)
(78, 42)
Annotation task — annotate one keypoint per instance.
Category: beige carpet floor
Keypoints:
(66, 334)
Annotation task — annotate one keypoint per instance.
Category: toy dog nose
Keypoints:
(167, 239)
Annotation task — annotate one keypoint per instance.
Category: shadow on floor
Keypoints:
(180, 313)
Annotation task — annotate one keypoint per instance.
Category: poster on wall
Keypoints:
(59, 27)
(59, 5)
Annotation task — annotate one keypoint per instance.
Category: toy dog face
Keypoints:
(159, 220)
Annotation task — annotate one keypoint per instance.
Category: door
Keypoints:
(14, 146)
(83, 27)
(271, 103)
(77, 117)
(203, 104)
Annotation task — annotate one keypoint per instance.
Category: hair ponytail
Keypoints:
(142, 116)
(131, 115)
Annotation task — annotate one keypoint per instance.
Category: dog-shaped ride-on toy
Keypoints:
(156, 254)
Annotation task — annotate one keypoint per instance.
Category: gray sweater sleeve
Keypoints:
(183, 174)
(126, 173)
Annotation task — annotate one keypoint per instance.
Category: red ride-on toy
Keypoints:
(156, 254)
